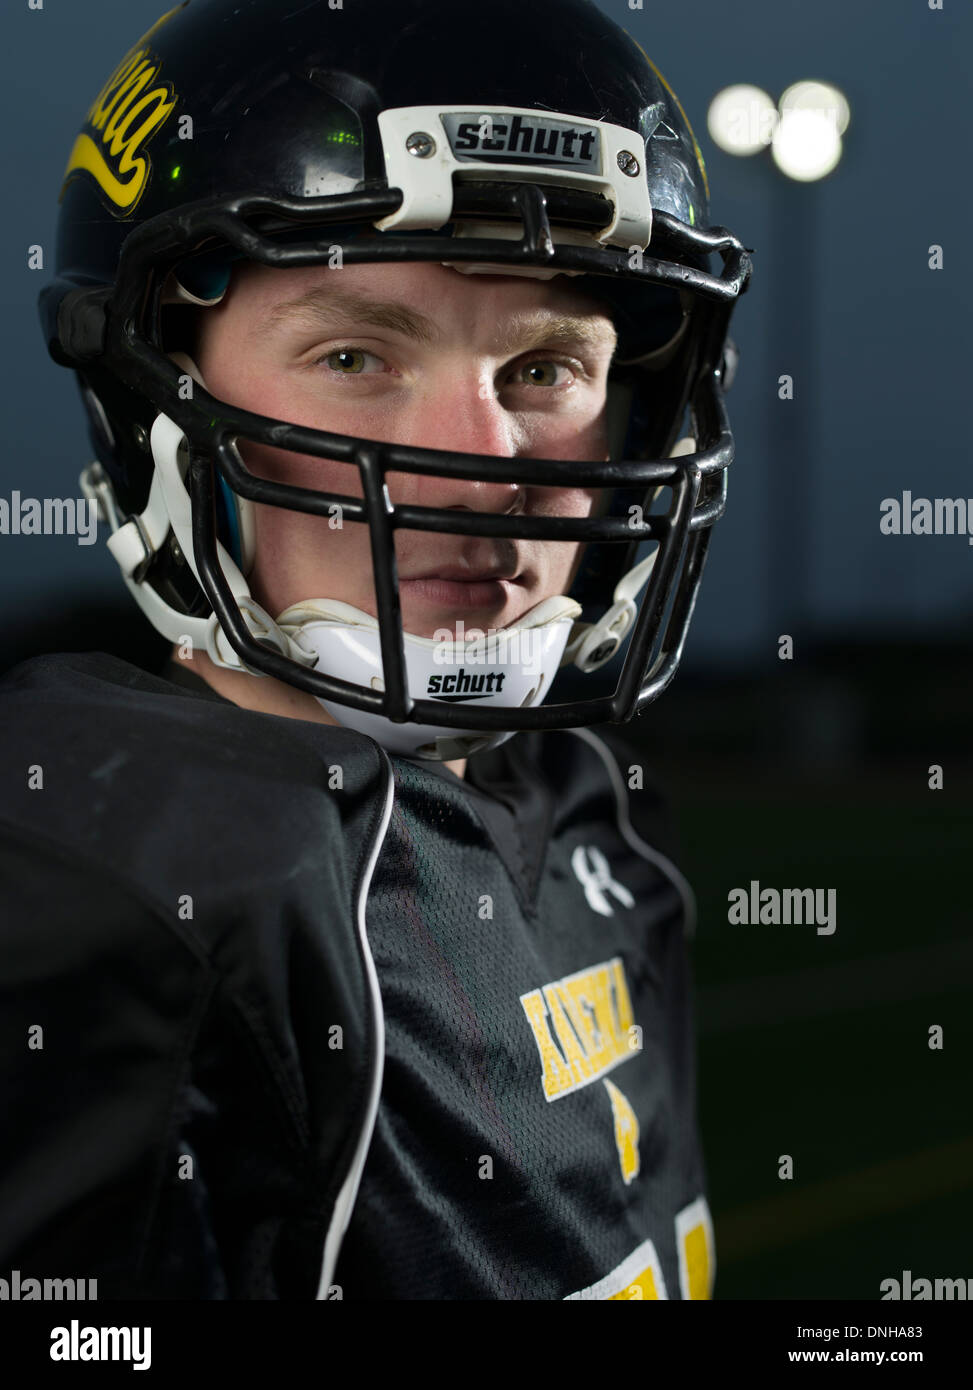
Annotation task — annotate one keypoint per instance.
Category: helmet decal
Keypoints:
(126, 114)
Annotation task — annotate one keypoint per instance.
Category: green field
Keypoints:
(817, 1046)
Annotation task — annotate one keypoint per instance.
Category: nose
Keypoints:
(459, 411)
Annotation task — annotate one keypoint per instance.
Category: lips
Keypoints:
(475, 589)
(462, 575)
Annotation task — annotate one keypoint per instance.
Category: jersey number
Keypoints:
(640, 1273)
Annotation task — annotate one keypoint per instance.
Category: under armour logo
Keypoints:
(592, 872)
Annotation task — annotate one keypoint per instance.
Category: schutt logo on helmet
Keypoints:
(522, 139)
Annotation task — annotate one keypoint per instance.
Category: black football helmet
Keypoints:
(514, 139)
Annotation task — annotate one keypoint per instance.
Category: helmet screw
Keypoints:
(628, 163)
(141, 437)
(420, 144)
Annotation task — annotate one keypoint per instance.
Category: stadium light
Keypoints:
(803, 130)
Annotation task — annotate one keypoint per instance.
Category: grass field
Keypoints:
(817, 1046)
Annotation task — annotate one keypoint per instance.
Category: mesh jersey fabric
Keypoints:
(535, 1136)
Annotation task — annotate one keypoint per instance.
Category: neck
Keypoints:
(267, 695)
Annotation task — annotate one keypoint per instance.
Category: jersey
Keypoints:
(287, 1016)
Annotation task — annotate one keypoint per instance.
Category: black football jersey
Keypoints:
(319, 1021)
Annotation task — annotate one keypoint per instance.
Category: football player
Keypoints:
(341, 958)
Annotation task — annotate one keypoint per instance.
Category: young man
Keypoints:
(334, 965)
(420, 355)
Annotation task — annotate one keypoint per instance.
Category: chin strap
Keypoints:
(592, 644)
(135, 542)
(512, 667)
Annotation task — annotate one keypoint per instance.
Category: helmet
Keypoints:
(530, 140)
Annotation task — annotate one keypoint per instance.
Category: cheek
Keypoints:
(561, 558)
(300, 470)
(294, 549)
(561, 501)
(580, 432)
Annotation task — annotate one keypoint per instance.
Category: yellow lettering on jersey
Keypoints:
(122, 118)
(623, 1004)
(581, 1068)
(638, 1276)
(581, 1025)
(641, 1287)
(626, 1133)
(556, 1075)
(697, 1250)
(587, 1002)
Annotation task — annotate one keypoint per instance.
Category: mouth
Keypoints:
(443, 589)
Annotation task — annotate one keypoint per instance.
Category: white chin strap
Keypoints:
(510, 667)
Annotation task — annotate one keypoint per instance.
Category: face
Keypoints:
(425, 356)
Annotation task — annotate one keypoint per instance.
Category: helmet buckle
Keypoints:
(604, 637)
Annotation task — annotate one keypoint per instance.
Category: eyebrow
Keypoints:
(539, 328)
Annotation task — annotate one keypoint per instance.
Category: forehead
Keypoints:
(422, 286)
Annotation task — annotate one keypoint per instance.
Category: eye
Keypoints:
(540, 373)
(351, 361)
